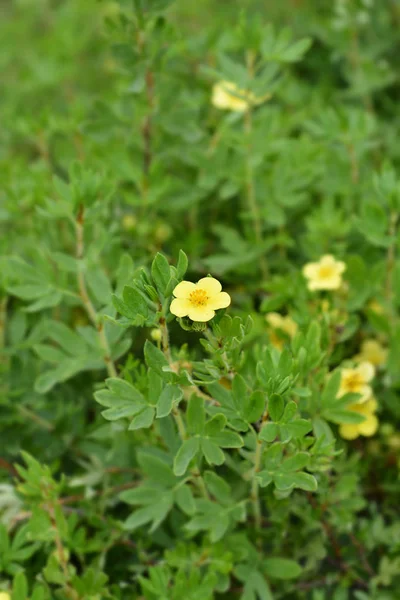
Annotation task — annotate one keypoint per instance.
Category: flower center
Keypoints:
(326, 272)
(198, 297)
(353, 383)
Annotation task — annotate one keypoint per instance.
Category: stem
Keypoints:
(147, 131)
(165, 339)
(255, 497)
(3, 314)
(391, 258)
(87, 303)
(27, 412)
(179, 423)
(250, 188)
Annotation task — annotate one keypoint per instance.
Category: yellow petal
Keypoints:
(201, 313)
(274, 319)
(369, 426)
(349, 431)
(221, 300)
(183, 289)
(327, 260)
(210, 285)
(366, 370)
(310, 270)
(371, 405)
(180, 307)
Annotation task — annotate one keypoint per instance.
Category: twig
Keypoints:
(250, 189)
(91, 311)
(391, 257)
(255, 486)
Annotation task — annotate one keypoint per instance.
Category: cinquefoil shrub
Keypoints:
(199, 300)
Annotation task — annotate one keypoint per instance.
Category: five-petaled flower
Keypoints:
(356, 381)
(280, 325)
(226, 95)
(368, 427)
(200, 300)
(326, 274)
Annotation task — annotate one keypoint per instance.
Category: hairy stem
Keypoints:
(250, 187)
(391, 258)
(255, 497)
(87, 303)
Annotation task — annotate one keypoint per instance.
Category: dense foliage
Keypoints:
(150, 449)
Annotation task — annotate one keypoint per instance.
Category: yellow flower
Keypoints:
(200, 300)
(368, 427)
(356, 381)
(280, 324)
(375, 306)
(5, 596)
(326, 274)
(227, 96)
(373, 352)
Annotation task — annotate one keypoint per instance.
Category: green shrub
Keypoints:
(234, 436)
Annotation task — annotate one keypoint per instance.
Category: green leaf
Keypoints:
(281, 568)
(212, 453)
(218, 487)
(135, 303)
(269, 432)
(185, 500)
(227, 439)
(156, 360)
(182, 265)
(143, 419)
(296, 462)
(276, 407)
(156, 469)
(331, 389)
(20, 587)
(299, 428)
(185, 454)
(195, 415)
(160, 272)
(170, 396)
(215, 425)
(254, 406)
(305, 481)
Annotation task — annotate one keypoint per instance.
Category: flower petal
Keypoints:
(210, 285)
(221, 300)
(369, 426)
(201, 313)
(180, 307)
(183, 289)
(366, 370)
(349, 431)
(310, 270)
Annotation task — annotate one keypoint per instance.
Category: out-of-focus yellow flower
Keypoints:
(356, 381)
(200, 300)
(162, 233)
(156, 334)
(393, 441)
(372, 351)
(279, 324)
(326, 274)
(368, 427)
(227, 96)
(5, 596)
(129, 222)
(376, 307)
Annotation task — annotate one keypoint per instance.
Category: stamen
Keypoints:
(198, 297)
